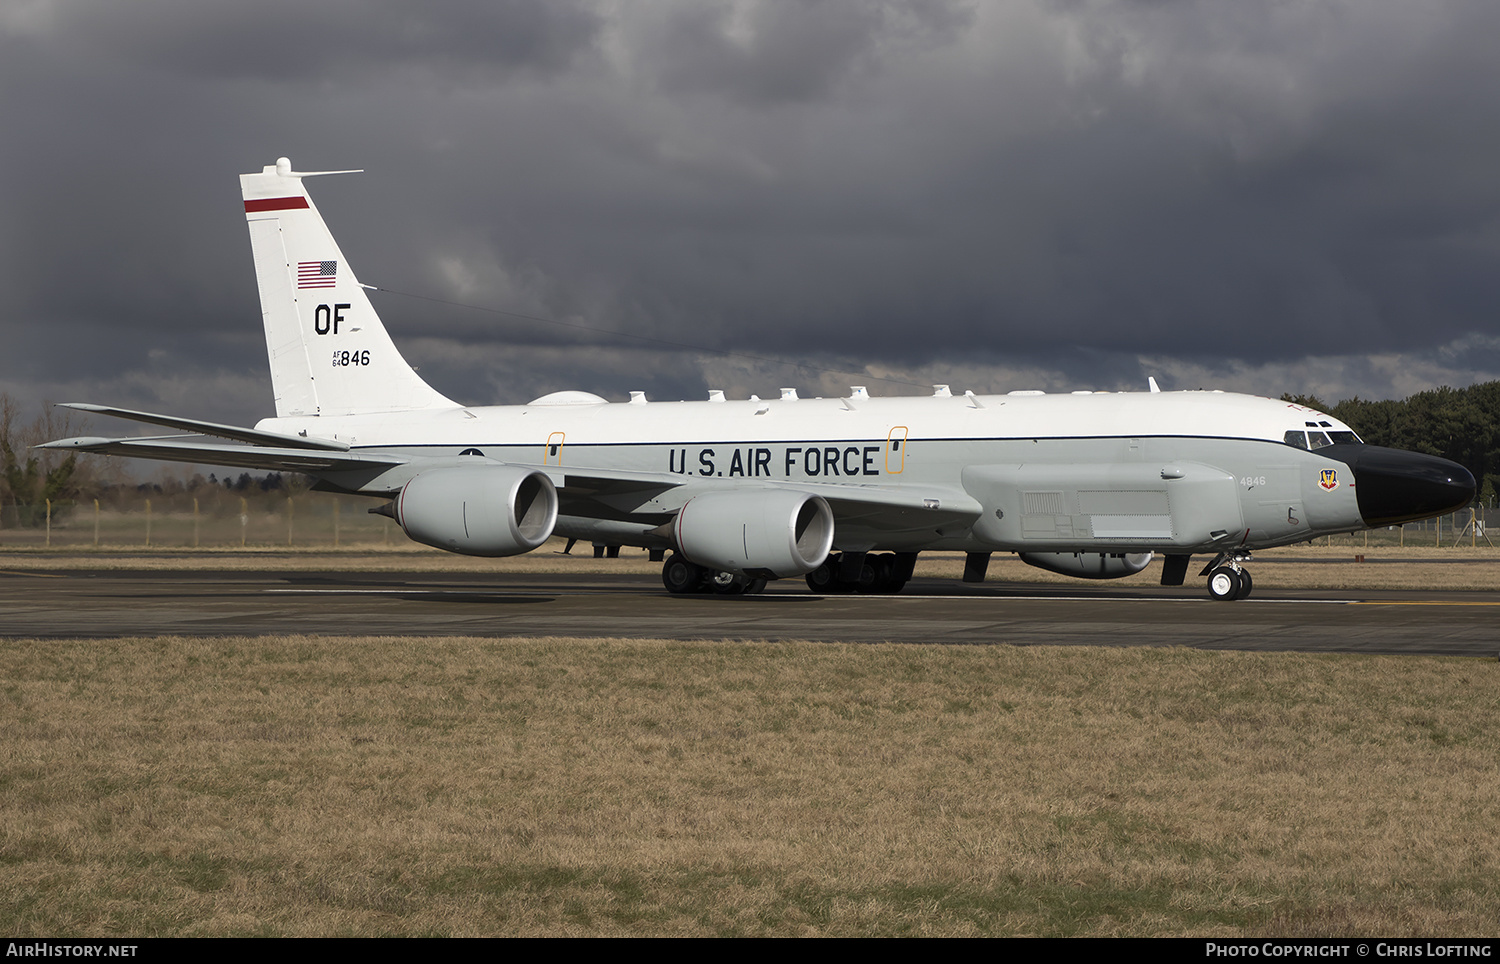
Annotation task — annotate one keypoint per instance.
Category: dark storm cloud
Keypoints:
(1295, 196)
(298, 41)
(794, 51)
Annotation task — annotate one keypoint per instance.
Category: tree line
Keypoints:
(30, 477)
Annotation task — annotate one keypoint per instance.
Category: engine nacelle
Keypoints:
(760, 532)
(479, 510)
(1089, 565)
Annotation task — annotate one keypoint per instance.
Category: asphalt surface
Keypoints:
(77, 603)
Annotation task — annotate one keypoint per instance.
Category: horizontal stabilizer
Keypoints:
(193, 449)
(236, 433)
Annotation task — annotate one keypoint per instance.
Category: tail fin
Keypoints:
(330, 355)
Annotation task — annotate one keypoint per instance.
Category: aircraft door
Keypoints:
(552, 454)
(895, 450)
(1273, 502)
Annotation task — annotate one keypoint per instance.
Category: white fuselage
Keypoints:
(1096, 472)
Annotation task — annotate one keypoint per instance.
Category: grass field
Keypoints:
(372, 786)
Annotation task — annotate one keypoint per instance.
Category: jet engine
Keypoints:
(758, 533)
(480, 510)
(1089, 565)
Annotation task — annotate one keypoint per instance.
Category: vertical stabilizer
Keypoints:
(330, 355)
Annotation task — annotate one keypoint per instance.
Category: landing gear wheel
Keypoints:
(890, 583)
(756, 586)
(824, 580)
(878, 574)
(681, 576)
(1224, 583)
(1246, 584)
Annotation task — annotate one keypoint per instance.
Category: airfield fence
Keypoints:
(211, 520)
(225, 519)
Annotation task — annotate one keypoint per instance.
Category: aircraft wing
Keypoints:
(877, 511)
(614, 494)
(871, 509)
(194, 448)
(872, 512)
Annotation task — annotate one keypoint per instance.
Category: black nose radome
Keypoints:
(1394, 486)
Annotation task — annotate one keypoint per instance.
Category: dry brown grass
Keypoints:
(501, 786)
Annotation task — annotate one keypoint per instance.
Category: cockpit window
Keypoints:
(1316, 439)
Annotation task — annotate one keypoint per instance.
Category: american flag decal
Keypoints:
(317, 274)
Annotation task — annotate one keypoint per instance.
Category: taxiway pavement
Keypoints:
(81, 603)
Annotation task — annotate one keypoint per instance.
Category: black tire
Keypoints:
(1224, 584)
(878, 574)
(1246, 584)
(681, 576)
(824, 580)
(889, 584)
(756, 586)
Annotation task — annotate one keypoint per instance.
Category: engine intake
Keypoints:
(480, 510)
(764, 533)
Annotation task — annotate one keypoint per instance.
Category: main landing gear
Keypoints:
(841, 572)
(681, 577)
(1227, 579)
(862, 572)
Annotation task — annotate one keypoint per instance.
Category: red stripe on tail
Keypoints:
(275, 204)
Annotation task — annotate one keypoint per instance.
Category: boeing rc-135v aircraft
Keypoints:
(843, 491)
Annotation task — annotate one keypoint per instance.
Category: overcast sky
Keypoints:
(1267, 196)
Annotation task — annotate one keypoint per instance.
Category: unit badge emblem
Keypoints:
(1329, 479)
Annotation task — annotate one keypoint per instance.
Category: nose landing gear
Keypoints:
(1227, 579)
